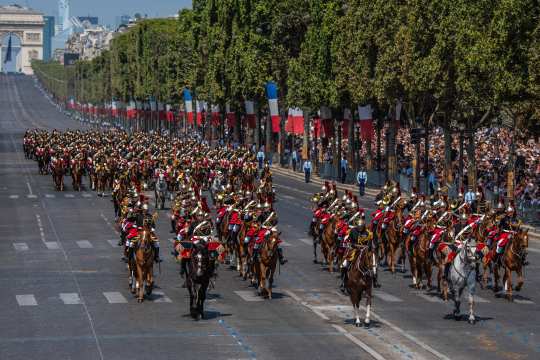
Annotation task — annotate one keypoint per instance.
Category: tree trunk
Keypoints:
(448, 156)
(416, 166)
(510, 179)
(305, 137)
(426, 157)
(237, 127)
(379, 128)
(337, 159)
(369, 154)
(257, 131)
(269, 143)
(471, 169)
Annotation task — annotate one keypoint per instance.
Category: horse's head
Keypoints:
(200, 261)
(469, 252)
(522, 239)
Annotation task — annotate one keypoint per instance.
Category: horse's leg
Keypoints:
(367, 320)
(314, 249)
(508, 284)
(495, 279)
(472, 319)
(457, 303)
(520, 279)
(427, 269)
(355, 298)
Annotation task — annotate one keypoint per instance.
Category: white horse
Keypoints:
(463, 274)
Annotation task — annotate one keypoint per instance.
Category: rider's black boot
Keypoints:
(446, 271)
(282, 259)
(376, 282)
(343, 279)
(156, 254)
(431, 257)
(173, 226)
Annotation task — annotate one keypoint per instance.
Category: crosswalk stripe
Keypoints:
(480, 299)
(13, 196)
(26, 300)
(114, 297)
(52, 245)
(50, 196)
(114, 243)
(162, 298)
(31, 196)
(306, 241)
(248, 295)
(386, 296)
(70, 298)
(70, 196)
(84, 244)
(86, 195)
(433, 299)
(523, 301)
(20, 246)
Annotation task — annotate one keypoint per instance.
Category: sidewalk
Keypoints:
(369, 192)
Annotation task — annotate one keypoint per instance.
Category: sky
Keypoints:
(107, 10)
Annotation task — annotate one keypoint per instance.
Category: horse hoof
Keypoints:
(366, 325)
(472, 321)
(315, 261)
(139, 300)
(357, 324)
(510, 298)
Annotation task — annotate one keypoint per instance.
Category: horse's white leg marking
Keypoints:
(471, 307)
(356, 314)
(368, 312)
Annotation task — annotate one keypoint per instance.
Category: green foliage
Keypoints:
(458, 57)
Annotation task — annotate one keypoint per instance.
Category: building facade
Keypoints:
(48, 34)
(24, 26)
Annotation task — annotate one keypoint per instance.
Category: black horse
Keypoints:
(200, 270)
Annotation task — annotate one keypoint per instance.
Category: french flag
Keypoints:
(231, 116)
(169, 113)
(188, 100)
(131, 110)
(250, 114)
(295, 121)
(114, 108)
(215, 115)
(202, 107)
(271, 93)
(365, 114)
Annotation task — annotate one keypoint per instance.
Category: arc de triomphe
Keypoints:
(27, 25)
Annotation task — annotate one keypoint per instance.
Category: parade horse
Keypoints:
(160, 193)
(266, 264)
(248, 178)
(462, 275)
(101, 178)
(200, 270)
(418, 259)
(40, 156)
(328, 242)
(393, 240)
(360, 276)
(58, 170)
(144, 262)
(513, 259)
(76, 174)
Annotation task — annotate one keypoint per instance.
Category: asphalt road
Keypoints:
(65, 293)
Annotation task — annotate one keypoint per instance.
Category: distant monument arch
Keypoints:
(25, 27)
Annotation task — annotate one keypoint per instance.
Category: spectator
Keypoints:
(294, 157)
(260, 158)
(343, 165)
(307, 170)
(361, 179)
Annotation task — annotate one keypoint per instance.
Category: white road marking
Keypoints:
(403, 333)
(358, 342)
(162, 298)
(26, 300)
(41, 231)
(114, 243)
(386, 296)
(29, 188)
(306, 241)
(31, 196)
(69, 196)
(432, 299)
(114, 297)
(523, 301)
(52, 245)
(50, 196)
(248, 295)
(534, 250)
(86, 195)
(20, 246)
(13, 196)
(285, 243)
(84, 244)
(70, 298)
(480, 299)
(288, 197)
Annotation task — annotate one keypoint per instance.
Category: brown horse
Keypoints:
(266, 264)
(328, 242)
(58, 170)
(394, 240)
(418, 258)
(76, 174)
(513, 259)
(360, 280)
(144, 262)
